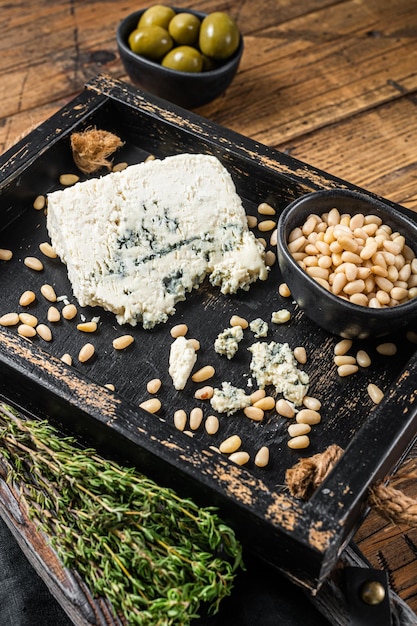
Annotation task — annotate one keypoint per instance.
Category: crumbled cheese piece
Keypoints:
(227, 342)
(182, 358)
(259, 327)
(274, 364)
(136, 241)
(229, 399)
(280, 317)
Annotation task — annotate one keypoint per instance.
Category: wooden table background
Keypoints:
(333, 83)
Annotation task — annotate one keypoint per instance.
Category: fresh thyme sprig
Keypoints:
(155, 556)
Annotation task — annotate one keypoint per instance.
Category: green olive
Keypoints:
(156, 15)
(183, 59)
(219, 36)
(152, 42)
(184, 29)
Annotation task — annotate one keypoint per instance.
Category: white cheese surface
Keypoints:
(229, 399)
(136, 242)
(182, 357)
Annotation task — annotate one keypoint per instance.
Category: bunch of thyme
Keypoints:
(155, 556)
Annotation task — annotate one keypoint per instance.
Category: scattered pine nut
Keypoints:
(180, 330)
(363, 359)
(284, 290)
(48, 293)
(69, 311)
(312, 403)
(44, 332)
(284, 408)
(257, 395)
(53, 314)
(266, 225)
(231, 444)
(274, 238)
(110, 386)
(152, 405)
(375, 393)
(195, 343)
(154, 385)
(189, 433)
(298, 443)
(68, 179)
(308, 416)
(196, 417)
(205, 393)
(270, 258)
(344, 359)
(300, 355)
(236, 320)
(411, 336)
(262, 457)
(180, 419)
(9, 319)
(203, 374)
(25, 330)
(342, 347)
(212, 424)
(5, 255)
(39, 203)
(387, 349)
(86, 352)
(296, 430)
(347, 369)
(47, 250)
(88, 327)
(28, 319)
(266, 403)
(33, 263)
(67, 358)
(240, 457)
(27, 298)
(252, 221)
(122, 342)
(254, 413)
(119, 167)
(266, 209)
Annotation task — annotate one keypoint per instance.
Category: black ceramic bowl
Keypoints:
(185, 89)
(331, 312)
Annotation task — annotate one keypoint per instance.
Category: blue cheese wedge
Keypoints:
(182, 358)
(136, 242)
(227, 342)
(274, 364)
(229, 399)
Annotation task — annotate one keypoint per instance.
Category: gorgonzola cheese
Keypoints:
(182, 358)
(259, 327)
(229, 399)
(135, 242)
(227, 342)
(274, 364)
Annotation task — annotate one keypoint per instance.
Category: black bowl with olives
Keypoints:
(184, 56)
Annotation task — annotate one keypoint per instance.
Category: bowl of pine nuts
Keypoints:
(350, 262)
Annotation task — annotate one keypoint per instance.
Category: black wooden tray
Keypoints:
(304, 540)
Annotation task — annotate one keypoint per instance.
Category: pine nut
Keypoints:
(110, 386)
(68, 179)
(270, 258)
(69, 311)
(66, 358)
(122, 342)
(27, 298)
(212, 424)
(411, 336)
(33, 263)
(284, 290)
(154, 385)
(28, 319)
(86, 352)
(205, 393)
(44, 332)
(180, 330)
(274, 238)
(344, 359)
(257, 395)
(25, 330)
(152, 406)
(308, 416)
(88, 327)
(347, 370)
(266, 225)
(196, 417)
(342, 347)
(262, 457)
(203, 374)
(5, 255)
(195, 343)
(296, 430)
(254, 413)
(284, 408)
(47, 250)
(9, 319)
(39, 203)
(298, 443)
(119, 167)
(266, 404)
(48, 293)
(188, 433)
(53, 314)
(312, 403)
(231, 444)
(266, 209)
(375, 393)
(240, 457)
(363, 359)
(300, 354)
(387, 349)
(236, 320)
(180, 419)
(252, 221)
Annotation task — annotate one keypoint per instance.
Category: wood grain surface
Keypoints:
(331, 83)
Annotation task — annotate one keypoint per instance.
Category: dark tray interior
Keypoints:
(302, 539)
